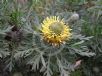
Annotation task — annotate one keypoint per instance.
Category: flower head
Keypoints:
(74, 17)
(55, 31)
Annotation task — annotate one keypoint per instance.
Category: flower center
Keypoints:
(56, 28)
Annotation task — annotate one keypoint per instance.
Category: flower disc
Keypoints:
(55, 31)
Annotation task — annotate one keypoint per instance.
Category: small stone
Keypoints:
(17, 74)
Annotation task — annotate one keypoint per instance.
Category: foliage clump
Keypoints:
(23, 51)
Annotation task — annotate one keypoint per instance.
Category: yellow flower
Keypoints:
(55, 31)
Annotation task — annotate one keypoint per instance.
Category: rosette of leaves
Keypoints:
(55, 60)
